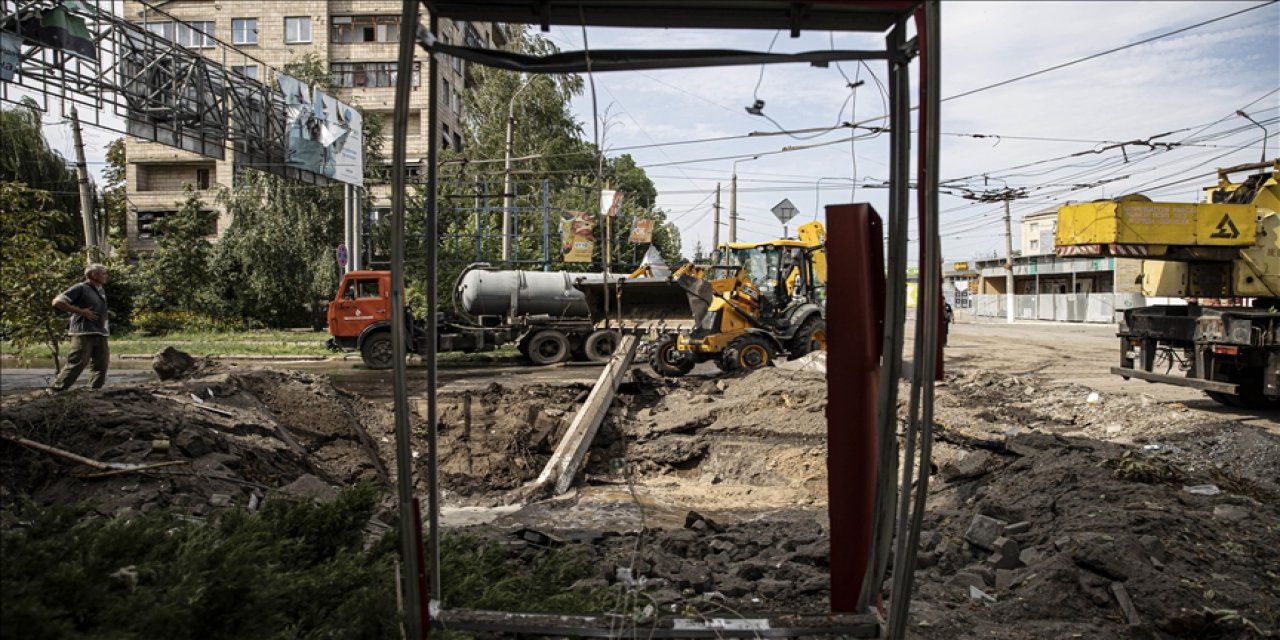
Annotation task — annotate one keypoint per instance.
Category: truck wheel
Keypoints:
(601, 345)
(1251, 395)
(747, 352)
(377, 352)
(668, 361)
(548, 347)
(811, 337)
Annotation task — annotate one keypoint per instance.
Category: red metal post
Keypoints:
(855, 331)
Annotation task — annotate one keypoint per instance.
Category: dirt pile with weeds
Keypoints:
(1053, 510)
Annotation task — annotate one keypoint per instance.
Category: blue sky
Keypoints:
(1190, 83)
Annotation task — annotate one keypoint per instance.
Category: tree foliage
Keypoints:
(25, 156)
(33, 271)
(114, 199)
(176, 276)
(275, 262)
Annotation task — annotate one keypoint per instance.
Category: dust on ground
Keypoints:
(1054, 510)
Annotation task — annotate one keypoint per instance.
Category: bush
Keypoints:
(293, 570)
(160, 323)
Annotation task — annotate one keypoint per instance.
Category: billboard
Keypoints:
(577, 236)
(323, 135)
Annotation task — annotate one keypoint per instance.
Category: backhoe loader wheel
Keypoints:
(811, 337)
(600, 345)
(376, 351)
(747, 352)
(548, 347)
(668, 361)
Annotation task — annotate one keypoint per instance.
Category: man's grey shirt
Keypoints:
(87, 296)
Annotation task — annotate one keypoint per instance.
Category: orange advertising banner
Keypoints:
(642, 232)
(577, 235)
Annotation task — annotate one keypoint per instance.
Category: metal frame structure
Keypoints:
(867, 511)
(164, 92)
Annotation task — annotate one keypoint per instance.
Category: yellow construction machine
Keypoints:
(756, 302)
(1222, 257)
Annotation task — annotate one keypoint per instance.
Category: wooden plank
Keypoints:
(564, 463)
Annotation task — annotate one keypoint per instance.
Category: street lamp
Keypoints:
(1244, 115)
(508, 189)
(733, 199)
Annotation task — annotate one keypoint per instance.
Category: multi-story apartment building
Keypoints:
(356, 39)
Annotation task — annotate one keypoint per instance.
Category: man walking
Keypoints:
(87, 304)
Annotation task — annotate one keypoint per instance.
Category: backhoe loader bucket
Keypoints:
(639, 301)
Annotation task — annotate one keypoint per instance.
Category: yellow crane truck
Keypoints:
(1222, 256)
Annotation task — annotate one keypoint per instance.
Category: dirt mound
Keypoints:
(1054, 510)
(235, 435)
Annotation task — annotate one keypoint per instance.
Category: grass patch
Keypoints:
(293, 570)
(243, 343)
(260, 343)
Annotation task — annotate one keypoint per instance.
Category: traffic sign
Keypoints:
(342, 255)
(785, 211)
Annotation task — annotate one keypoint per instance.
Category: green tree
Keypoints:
(25, 156)
(176, 276)
(33, 271)
(275, 262)
(114, 200)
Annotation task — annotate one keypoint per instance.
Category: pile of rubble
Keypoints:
(1053, 511)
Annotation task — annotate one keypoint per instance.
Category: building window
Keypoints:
(353, 29)
(244, 31)
(457, 141)
(149, 223)
(249, 71)
(202, 179)
(445, 91)
(195, 35)
(297, 30)
(455, 101)
(368, 75)
(162, 29)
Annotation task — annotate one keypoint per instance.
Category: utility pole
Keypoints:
(508, 186)
(733, 206)
(1008, 262)
(715, 219)
(86, 193)
(508, 195)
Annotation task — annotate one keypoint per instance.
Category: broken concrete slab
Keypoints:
(983, 531)
(1006, 554)
(966, 464)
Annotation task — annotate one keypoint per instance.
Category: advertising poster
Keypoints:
(577, 236)
(642, 232)
(324, 135)
(610, 201)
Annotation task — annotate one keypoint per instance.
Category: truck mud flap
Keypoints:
(1194, 383)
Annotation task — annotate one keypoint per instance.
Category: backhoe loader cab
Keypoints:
(758, 302)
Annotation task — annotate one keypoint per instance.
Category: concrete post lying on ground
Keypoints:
(564, 463)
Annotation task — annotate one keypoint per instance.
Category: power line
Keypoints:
(1108, 52)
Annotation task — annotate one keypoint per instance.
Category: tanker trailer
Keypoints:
(549, 317)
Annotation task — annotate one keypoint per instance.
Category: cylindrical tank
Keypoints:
(492, 292)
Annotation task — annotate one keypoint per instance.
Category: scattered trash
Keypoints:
(1150, 447)
(1093, 397)
(979, 595)
(1202, 490)
(197, 398)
